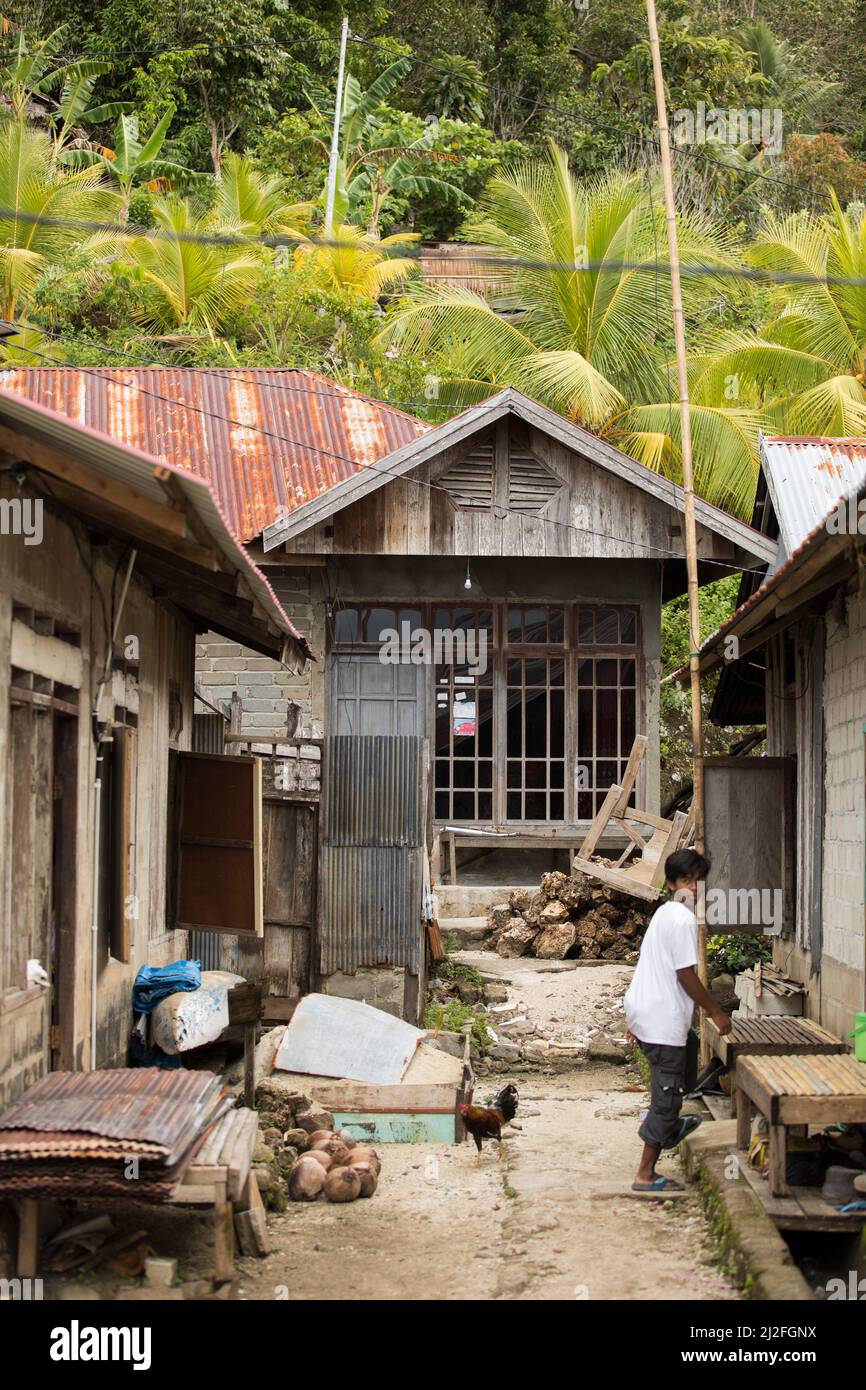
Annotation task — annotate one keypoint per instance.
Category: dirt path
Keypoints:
(553, 1222)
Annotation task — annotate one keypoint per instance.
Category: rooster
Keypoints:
(485, 1122)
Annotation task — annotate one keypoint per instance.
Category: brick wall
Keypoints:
(224, 668)
(844, 949)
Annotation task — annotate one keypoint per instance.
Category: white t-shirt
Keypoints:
(656, 1005)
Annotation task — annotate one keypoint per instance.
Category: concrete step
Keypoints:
(471, 899)
(463, 933)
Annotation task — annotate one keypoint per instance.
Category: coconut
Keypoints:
(317, 1135)
(319, 1157)
(342, 1185)
(363, 1154)
(306, 1181)
(347, 1137)
(336, 1148)
(368, 1178)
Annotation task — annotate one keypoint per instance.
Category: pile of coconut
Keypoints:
(334, 1165)
(567, 918)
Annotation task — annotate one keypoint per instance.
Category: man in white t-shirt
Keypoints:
(659, 1007)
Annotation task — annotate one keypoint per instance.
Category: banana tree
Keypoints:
(132, 161)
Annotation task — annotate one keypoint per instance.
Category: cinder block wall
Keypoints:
(223, 667)
(844, 947)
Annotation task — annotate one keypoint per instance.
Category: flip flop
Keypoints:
(660, 1184)
(688, 1126)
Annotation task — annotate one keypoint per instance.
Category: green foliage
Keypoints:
(729, 955)
(453, 1016)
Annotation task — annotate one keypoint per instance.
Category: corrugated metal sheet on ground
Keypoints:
(371, 907)
(374, 790)
(265, 439)
(807, 477)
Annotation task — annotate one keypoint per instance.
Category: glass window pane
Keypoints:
(515, 672)
(375, 620)
(346, 625)
(464, 805)
(464, 772)
(535, 625)
(485, 806)
(557, 806)
(534, 672)
(442, 812)
(556, 625)
(536, 774)
(557, 774)
(512, 808)
(606, 710)
(586, 627)
(515, 729)
(606, 672)
(412, 616)
(557, 672)
(485, 773)
(585, 806)
(605, 774)
(514, 775)
(515, 624)
(606, 627)
(628, 625)
(584, 672)
(585, 724)
(536, 724)
(485, 723)
(627, 708)
(443, 768)
(626, 672)
(536, 806)
(557, 723)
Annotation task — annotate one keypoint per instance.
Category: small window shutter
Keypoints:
(219, 844)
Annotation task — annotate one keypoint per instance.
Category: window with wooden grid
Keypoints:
(464, 721)
(606, 642)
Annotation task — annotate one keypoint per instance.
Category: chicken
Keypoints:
(485, 1122)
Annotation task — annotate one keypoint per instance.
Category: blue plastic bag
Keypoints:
(153, 983)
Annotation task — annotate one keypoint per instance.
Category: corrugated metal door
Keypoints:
(372, 854)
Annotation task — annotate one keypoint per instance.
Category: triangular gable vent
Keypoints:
(470, 480)
(530, 484)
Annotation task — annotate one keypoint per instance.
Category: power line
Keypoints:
(498, 509)
(409, 252)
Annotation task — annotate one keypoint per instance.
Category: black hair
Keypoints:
(686, 863)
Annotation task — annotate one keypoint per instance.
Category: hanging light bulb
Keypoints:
(467, 583)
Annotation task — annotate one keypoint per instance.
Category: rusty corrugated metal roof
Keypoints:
(265, 439)
(806, 477)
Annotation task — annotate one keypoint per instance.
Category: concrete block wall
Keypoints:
(224, 668)
(843, 963)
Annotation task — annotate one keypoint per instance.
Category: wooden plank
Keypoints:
(224, 1237)
(599, 824)
(28, 1238)
(635, 758)
(250, 1221)
(778, 1155)
(401, 1099)
(45, 656)
(616, 878)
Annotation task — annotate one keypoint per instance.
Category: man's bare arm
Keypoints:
(691, 983)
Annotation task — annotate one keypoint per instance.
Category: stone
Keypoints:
(504, 1051)
(556, 941)
(536, 1050)
(272, 1137)
(553, 914)
(278, 1102)
(553, 884)
(159, 1271)
(467, 991)
(537, 902)
(606, 935)
(499, 917)
(576, 893)
(517, 940)
(604, 1049)
(315, 1118)
(520, 899)
(496, 994)
(589, 924)
(517, 1028)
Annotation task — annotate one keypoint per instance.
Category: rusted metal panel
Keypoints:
(371, 907)
(264, 439)
(374, 792)
(158, 1107)
(806, 478)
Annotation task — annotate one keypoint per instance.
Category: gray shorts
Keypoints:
(674, 1071)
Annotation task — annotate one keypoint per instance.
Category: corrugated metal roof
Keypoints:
(210, 421)
(806, 477)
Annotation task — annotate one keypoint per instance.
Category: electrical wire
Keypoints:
(497, 509)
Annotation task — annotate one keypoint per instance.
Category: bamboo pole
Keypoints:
(330, 194)
(689, 531)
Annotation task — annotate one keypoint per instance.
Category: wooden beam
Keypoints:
(78, 475)
(48, 657)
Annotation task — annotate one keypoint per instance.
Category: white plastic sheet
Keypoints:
(329, 1036)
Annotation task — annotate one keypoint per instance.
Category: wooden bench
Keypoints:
(220, 1177)
(797, 1090)
(771, 1036)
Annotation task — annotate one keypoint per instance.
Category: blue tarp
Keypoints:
(153, 983)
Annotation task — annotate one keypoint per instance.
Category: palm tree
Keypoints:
(47, 203)
(590, 342)
(809, 362)
(355, 262)
(194, 287)
(250, 203)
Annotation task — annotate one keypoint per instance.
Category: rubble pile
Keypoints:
(568, 918)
